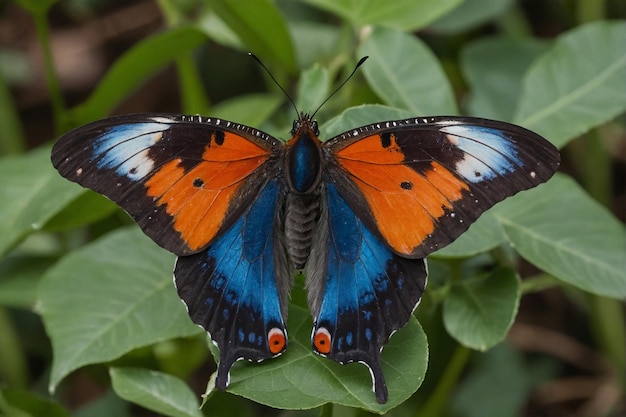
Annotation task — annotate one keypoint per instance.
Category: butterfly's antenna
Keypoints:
(356, 67)
(256, 58)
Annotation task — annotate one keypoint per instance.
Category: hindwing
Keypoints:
(237, 288)
(360, 292)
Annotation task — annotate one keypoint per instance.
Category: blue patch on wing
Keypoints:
(487, 152)
(356, 262)
(231, 289)
(244, 258)
(125, 148)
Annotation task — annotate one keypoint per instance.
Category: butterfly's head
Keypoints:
(305, 121)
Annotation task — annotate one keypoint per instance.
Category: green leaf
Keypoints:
(108, 298)
(313, 88)
(218, 31)
(155, 391)
(494, 68)
(107, 405)
(87, 208)
(469, 14)
(300, 379)
(578, 85)
(359, 116)
(19, 277)
(479, 311)
(251, 110)
(19, 403)
(501, 367)
(407, 15)
(560, 229)
(36, 193)
(269, 40)
(134, 68)
(406, 74)
(314, 42)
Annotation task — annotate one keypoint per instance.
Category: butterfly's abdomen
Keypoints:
(301, 215)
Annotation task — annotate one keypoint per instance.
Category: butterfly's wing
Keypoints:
(395, 192)
(204, 189)
(237, 288)
(183, 179)
(360, 292)
(418, 184)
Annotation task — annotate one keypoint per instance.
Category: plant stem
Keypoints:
(13, 369)
(538, 283)
(607, 317)
(193, 99)
(597, 169)
(11, 136)
(192, 95)
(436, 404)
(514, 23)
(56, 98)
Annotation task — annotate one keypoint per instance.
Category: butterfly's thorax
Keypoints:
(304, 159)
(303, 173)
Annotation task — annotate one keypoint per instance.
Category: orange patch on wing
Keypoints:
(405, 204)
(198, 199)
(234, 148)
(370, 150)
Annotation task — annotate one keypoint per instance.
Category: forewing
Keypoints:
(183, 179)
(359, 291)
(237, 288)
(420, 183)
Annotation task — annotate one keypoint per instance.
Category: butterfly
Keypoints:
(357, 214)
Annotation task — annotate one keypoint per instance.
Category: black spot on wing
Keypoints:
(218, 137)
(385, 139)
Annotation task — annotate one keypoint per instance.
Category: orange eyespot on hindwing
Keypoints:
(277, 340)
(322, 341)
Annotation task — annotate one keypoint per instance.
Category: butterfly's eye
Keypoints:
(277, 340)
(321, 341)
(315, 127)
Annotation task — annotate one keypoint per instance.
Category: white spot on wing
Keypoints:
(138, 166)
(161, 120)
(487, 152)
